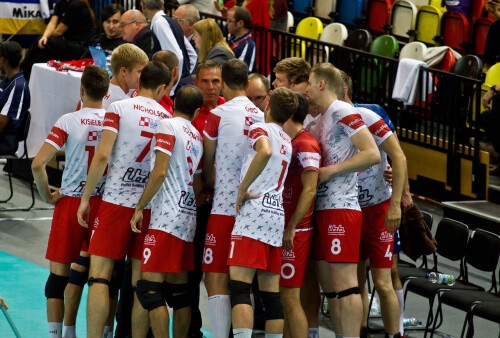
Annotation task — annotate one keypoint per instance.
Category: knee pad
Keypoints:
(352, 291)
(177, 295)
(330, 295)
(83, 261)
(54, 288)
(116, 278)
(77, 277)
(93, 280)
(150, 294)
(272, 303)
(239, 293)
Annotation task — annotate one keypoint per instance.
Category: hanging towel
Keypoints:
(435, 55)
(405, 86)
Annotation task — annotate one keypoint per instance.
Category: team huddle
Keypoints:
(294, 187)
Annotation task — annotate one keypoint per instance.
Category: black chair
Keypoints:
(482, 253)
(22, 135)
(469, 66)
(451, 237)
(359, 39)
(489, 310)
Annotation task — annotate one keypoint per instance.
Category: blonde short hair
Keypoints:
(128, 56)
(331, 75)
(211, 36)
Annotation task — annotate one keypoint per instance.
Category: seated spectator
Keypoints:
(210, 42)
(187, 16)
(66, 37)
(238, 25)
(112, 36)
(14, 96)
(491, 54)
(134, 29)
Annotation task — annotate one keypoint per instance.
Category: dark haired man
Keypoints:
(80, 132)
(226, 134)
(129, 126)
(239, 20)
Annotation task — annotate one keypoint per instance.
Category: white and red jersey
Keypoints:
(332, 130)
(263, 218)
(80, 132)
(373, 188)
(115, 93)
(306, 155)
(173, 208)
(229, 124)
(135, 121)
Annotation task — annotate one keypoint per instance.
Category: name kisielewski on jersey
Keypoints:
(135, 121)
(79, 132)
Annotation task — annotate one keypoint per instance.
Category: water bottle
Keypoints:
(411, 322)
(98, 46)
(441, 278)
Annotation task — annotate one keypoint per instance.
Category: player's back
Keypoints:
(135, 121)
(229, 124)
(79, 132)
(115, 93)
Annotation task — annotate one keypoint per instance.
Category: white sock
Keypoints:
(274, 335)
(55, 330)
(401, 301)
(69, 332)
(110, 334)
(240, 333)
(252, 300)
(220, 315)
(105, 332)
(313, 332)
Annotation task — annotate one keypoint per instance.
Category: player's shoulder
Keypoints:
(342, 108)
(305, 140)
(368, 115)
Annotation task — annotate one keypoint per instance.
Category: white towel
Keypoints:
(405, 86)
(435, 55)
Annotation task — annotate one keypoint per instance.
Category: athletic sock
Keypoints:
(252, 300)
(241, 333)
(55, 330)
(69, 332)
(274, 335)
(401, 301)
(106, 331)
(313, 332)
(220, 315)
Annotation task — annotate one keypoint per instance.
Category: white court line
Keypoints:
(26, 219)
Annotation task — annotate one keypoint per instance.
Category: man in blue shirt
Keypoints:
(238, 24)
(14, 96)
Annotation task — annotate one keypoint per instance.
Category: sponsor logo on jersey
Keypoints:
(337, 230)
(386, 237)
(287, 255)
(147, 122)
(364, 195)
(187, 201)
(236, 237)
(149, 240)
(54, 134)
(248, 121)
(80, 187)
(135, 175)
(93, 136)
(322, 188)
(251, 110)
(210, 239)
(353, 121)
(273, 201)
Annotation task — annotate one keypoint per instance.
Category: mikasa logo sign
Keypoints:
(210, 239)
(336, 230)
(149, 240)
(288, 255)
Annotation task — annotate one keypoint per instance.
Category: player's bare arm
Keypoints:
(38, 166)
(259, 162)
(309, 180)
(209, 147)
(367, 156)
(96, 170)
(155, 181)
(393, 216)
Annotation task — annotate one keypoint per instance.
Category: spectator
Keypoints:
(280, 16)
(66, 37)
(238, 25)
(205, 6)
(134, 29)
(210, 43)
(187, 16)
(112, 36)
(258, 90)
(491, 54)
(14, 96)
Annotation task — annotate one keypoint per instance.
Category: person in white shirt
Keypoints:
(187, 15)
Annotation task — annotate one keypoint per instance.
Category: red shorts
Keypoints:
(293, 263)
(339, 232)
(164, 252)
(376, 242)
(217, 240)
(251, 253)
(67, 236)
(112, 236)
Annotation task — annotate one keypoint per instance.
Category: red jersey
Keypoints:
(201, 119)
(167, 103)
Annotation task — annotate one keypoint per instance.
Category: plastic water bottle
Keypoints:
(411, 322)
(98, 46)
(441, 278)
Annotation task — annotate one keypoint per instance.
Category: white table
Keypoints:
(53, 94)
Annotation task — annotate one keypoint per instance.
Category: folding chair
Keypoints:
(414, 50)
(359, 39)
(378, 14)
(479, 33)
(428, 24)
(385, 45)
(489, 310)
(334, 33)
(403, 18)
(455, 31)
(22, 135)
(325, 9)
(468, 66)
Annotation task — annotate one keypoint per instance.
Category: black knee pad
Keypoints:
(54, 288)
(177, 295)
(272, 303)
(116, 278)
(150, 294)
(77, 277)
(352, 291)
(330, 295)
(92, 280)
(239, 293)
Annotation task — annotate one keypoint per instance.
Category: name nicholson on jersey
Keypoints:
(150, 111)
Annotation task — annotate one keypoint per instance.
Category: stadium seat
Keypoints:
(310, 28)
(335, 33)
(414, 50)
(447, 63)
(359, 39)
(437, 4)
(385, 45)
(290, 21)
(455, 31)
(403, 18)
(468, 66)
(493, 75)
(348, 11)
(419, 3)
(378, 13)
(428, 24)
(301, 6)
(323, 8)
(479, 33)
(476, 10)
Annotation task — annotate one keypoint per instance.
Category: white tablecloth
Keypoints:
(53, 94)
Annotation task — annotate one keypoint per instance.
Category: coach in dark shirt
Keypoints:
(134, 29)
